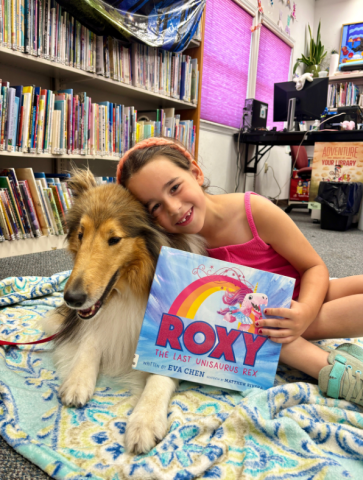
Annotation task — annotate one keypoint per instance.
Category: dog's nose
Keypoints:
(75, 298)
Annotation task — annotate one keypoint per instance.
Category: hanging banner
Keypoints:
(167, 24)
(335, 162)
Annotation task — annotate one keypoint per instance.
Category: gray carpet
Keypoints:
(341, 251)
(42, 264)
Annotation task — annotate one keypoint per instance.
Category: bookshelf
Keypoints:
(356, 75)
(65, 76)
(23, 68)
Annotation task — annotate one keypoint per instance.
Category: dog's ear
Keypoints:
(81, 181)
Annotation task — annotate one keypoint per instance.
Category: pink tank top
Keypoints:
(256, 253)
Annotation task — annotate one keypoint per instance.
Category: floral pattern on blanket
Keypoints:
(288, 431)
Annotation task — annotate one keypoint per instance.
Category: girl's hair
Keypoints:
(146, 151)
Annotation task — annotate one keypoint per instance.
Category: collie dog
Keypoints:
(115, 246)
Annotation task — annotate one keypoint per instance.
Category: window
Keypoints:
(273, 66)
(227, 42)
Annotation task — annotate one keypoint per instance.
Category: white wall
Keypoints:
(217, 156)
(333, 14)
(217, 151)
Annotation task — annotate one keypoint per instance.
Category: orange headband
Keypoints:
(150, 142)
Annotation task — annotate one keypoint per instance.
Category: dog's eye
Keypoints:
(113, 240)
(80, 236)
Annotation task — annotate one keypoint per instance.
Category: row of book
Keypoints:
(35, 120)
(33, 204)
(344, 95)
(45, 29)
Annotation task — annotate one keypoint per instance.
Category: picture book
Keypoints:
(199, 323)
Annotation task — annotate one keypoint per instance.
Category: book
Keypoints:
(199, 323)
(14, 184)
(6, 185)
(47, 212)
(3, 222)
(10, 214)
(53, 206)
(28, 175)
(29, 205)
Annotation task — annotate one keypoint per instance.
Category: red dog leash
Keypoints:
(44, 340)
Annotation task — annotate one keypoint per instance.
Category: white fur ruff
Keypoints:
(106, 344)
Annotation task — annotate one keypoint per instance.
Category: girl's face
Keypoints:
(171, 194)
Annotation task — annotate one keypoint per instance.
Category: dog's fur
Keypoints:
(120, 273)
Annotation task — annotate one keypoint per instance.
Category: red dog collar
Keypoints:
(44, 340)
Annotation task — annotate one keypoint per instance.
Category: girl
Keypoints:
(249, 230)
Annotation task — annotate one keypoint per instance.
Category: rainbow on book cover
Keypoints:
(199, 323)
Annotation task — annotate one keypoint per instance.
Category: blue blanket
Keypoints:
(289, 431)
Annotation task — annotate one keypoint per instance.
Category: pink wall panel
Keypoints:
(227, 42)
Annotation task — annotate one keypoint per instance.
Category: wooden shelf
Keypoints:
(67, 74)
(31, 245)
(67, 157)
(346, 76)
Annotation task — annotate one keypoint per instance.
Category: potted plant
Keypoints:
(316, 55)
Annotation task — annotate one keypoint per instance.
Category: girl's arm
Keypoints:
(277, 229)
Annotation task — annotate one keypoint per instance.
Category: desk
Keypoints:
(270, 139)
(267, 140)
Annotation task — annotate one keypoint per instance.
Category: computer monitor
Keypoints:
(309, 103)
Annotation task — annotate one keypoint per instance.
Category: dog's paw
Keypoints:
(76, 393)
(144, 431)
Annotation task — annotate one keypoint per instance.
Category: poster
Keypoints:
(335, 161)
(351, 45)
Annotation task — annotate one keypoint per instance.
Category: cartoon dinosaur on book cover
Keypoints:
(248, 311)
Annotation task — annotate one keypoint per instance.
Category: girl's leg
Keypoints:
(341, 315)
(304, 356)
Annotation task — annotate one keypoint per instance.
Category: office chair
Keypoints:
(300, 162)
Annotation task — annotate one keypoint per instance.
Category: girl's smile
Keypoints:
(171, 194)
(186, 219)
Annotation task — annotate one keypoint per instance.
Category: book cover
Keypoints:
(4, 222)
(4, 92)
(48, 215)
(10, 120)
(14, 184)
(199, 323)
(13, 225)
(5, 184)
(24, 187)
(27, 174)
(55, 212)
(5, 209)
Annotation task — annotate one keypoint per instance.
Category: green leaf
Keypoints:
(316, 50)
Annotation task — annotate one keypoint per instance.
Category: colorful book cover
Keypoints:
(10, 213)
(4, 222)
(14, 184)
(27, 175)
(199, 323)
(5, 184)
(45, 207)
(53, 209)
(24, 187)
(5, 209)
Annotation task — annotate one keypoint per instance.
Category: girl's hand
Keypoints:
(293, 324)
